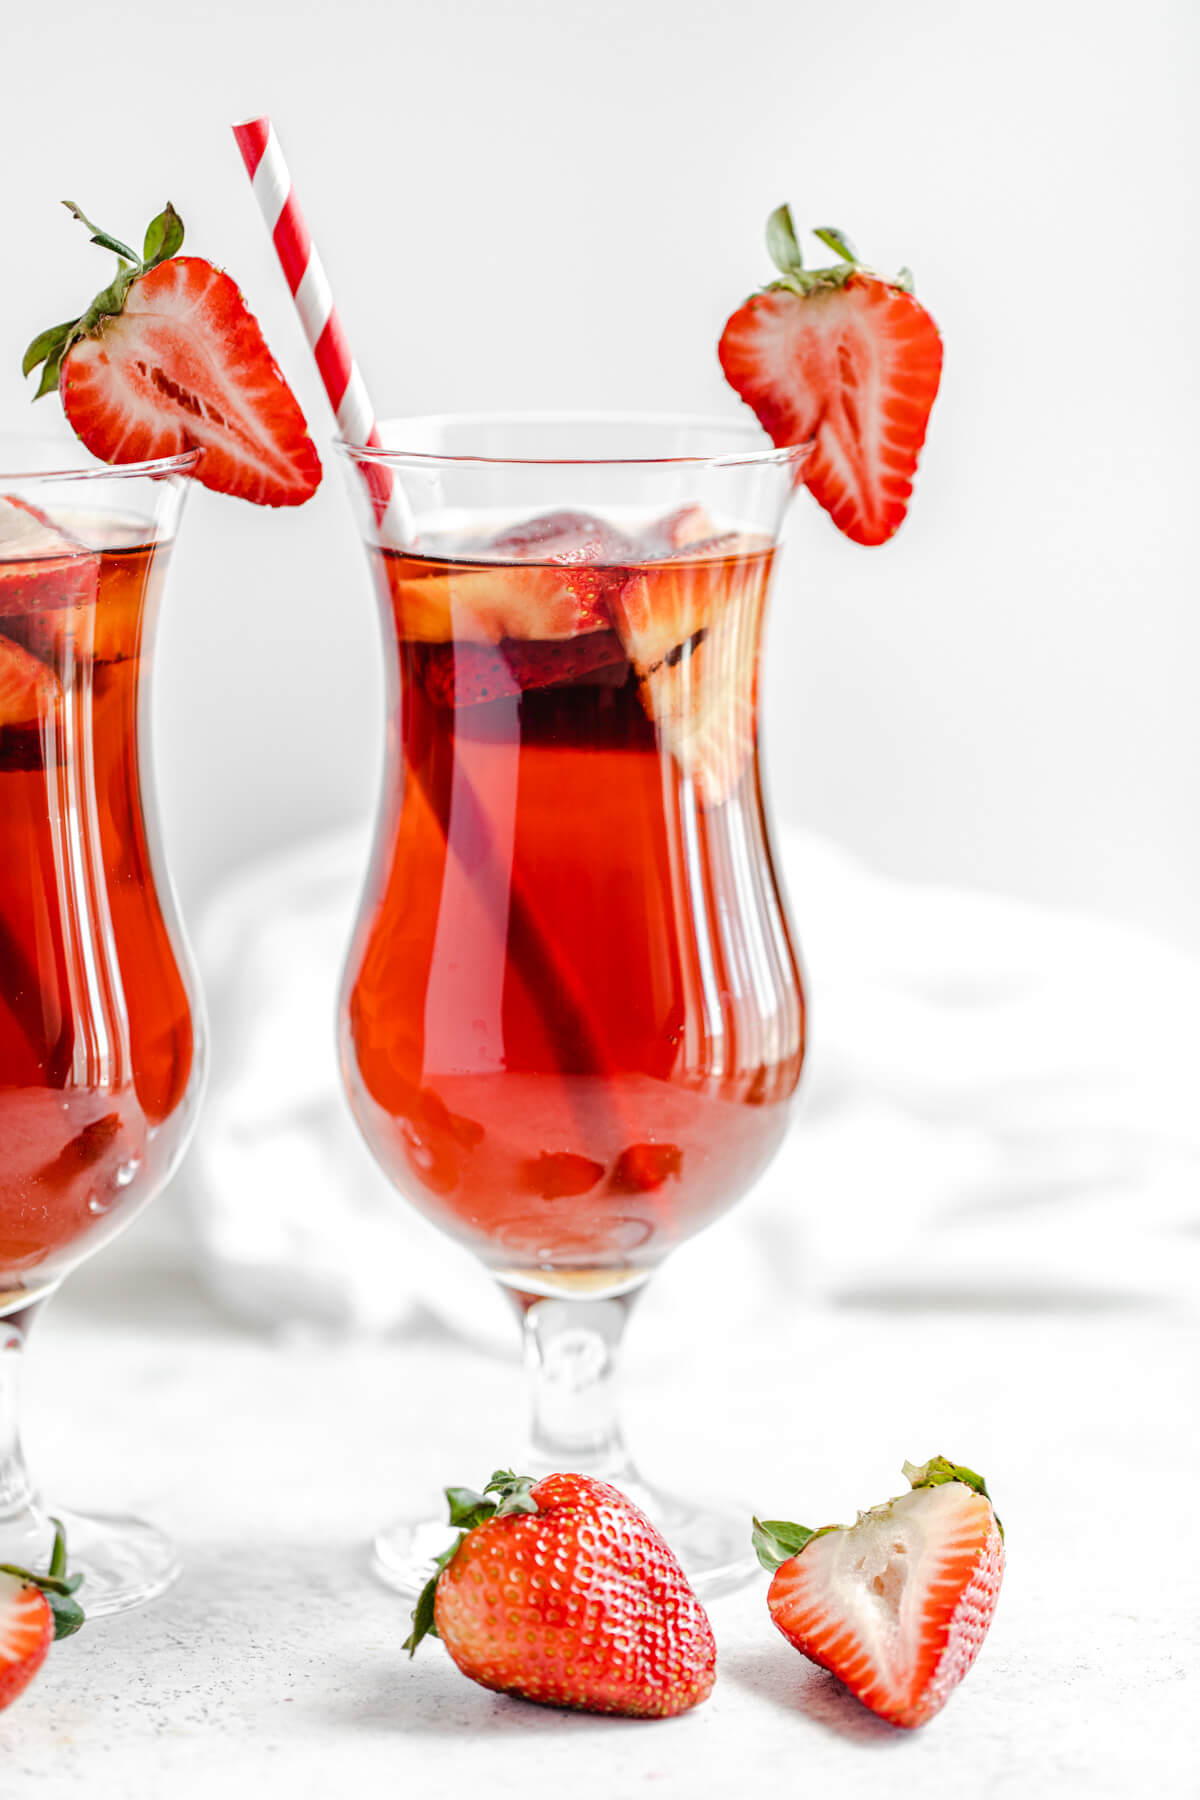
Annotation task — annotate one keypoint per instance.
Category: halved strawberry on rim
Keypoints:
(169, 358)
(847, 359)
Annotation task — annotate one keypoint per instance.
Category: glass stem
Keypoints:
(571, 1352)
(18, 1501)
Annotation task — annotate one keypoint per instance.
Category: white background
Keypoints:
(538, 204)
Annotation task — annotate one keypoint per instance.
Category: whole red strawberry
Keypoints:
(561, 1591)
(169, 358)
(898, 1604)
(34, 1611)
(844, 358)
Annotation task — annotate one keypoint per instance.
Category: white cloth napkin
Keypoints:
(999, 1109)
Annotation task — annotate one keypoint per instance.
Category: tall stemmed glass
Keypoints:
(572, 1018)
(100, 1044)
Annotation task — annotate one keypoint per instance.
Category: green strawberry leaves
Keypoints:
(777, 1540)
(164, 238)
(467, 1510)
(783, 246)
(938, 1470)
(58, 1587)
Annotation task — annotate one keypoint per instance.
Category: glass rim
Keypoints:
(182, 463)
(763, 453)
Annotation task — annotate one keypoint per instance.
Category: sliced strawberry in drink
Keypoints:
(643, 1167)
(571, 537)
(472, 674)
(28, 689)
(485, 602)
(686, 525)
(466, 674)
(702, 702)
(40, 564)
(664, 604)
(560, 1174)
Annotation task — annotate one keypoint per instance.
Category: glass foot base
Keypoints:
(124, 1561)
(712, 1542)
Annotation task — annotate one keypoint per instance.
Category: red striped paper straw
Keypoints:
(309, 287)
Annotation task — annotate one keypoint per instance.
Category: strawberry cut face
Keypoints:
(897, 1605)
(26, 1634)
(185, 365)
(28, 689)
(847, 362)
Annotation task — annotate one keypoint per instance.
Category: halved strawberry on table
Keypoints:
(168, 358)
(35, 1610)
(898, 1604)
(847, 359)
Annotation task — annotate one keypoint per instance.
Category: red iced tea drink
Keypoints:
(573, 1018)
(96, 1045)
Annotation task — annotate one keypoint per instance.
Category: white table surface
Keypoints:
(988, 1252)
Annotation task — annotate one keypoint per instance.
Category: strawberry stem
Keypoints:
(104, 238)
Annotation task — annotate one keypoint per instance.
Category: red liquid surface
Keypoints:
(96, 1044)
(573, 1017)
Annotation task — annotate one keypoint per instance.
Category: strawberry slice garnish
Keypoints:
(169, 358)
(898, 1604)
(562, 1592)
(34, 1611)
(844, 358)
(28, 689)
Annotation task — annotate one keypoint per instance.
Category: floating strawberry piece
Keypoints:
(562, 1592)
(661, 606)
(643, 1167)
(560, 1174)
(702, 699)
(566, 537)
(686, 525)
(28, 689)
(844, 358)
(34, 1611)
(169, 358)
(898, 1604)
(468, 674)
(482, 602)
(40, 565)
